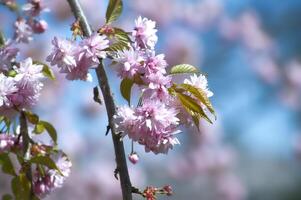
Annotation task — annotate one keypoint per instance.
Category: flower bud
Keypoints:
(39, 26)
(168, 190)
(134, 158)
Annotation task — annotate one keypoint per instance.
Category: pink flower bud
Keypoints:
(168, 190)
(39, 26)
(134, 158)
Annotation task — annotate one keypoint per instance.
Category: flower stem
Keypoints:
(122, 168)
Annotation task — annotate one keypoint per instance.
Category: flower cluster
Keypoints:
(21, 89)
(75, 59)
(44, 184)
(6, 142)
(154, 123)
(26, 26)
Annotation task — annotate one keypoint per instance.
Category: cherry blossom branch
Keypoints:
(26, 149)
(122, 169)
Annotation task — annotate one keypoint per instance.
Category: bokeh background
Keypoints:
(250, 51)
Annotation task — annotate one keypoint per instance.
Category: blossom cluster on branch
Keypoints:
(39, 168)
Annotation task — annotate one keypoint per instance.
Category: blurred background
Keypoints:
(250, 51)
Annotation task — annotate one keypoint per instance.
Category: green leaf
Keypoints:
(190, 104)
(12, 73)
(21, 187)
(7, 197)
(121, 35)
(45, 161)
(39, 128)
(2, 39)
(183, 69)
(32, 118)
(200, 95)
(7, 165)
(126, 88)
(50, 129)
(114, 10)
(118, 46)
(47, 71)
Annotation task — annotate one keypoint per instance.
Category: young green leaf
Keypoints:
(183, 69)
(21, 187)
(45, 161)
(50, 129)
(114, 10)
(118, 46)
(7, 165)
(7, 197)
(200, 95)
(2, 39)
(46, 70)
(39, 128)
(190, 104)
(121, 35)
(11, 73)
(126, 88)
(31, 117)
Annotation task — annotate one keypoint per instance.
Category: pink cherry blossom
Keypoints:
(130, 62)
(23, 32)
(44, 185)
(7, 88)
(8, 54)
(63, 55)
(145, 33)
(28, 82)
(6, 142)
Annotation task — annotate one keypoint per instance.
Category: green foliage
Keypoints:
(7, 165)
(126, 88)
(21, 187)
(50, 130)
(47, 71)
(200, 95)
(11, 73)
(183, 69)
(2, 39)
(114, 10)
(41, 126)
(32, 118)
(121, 39)
(7, 197)
(192, 99)
(45, 161)
(7, 123)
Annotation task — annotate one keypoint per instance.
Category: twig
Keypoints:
(26, 149)
(125, 181)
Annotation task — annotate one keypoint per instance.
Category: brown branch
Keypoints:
(125, 181)
(26, 150)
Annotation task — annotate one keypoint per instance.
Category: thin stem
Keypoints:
(122, 168)
(26, 149)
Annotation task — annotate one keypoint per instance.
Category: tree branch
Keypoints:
(26, 150)
(125, 181)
